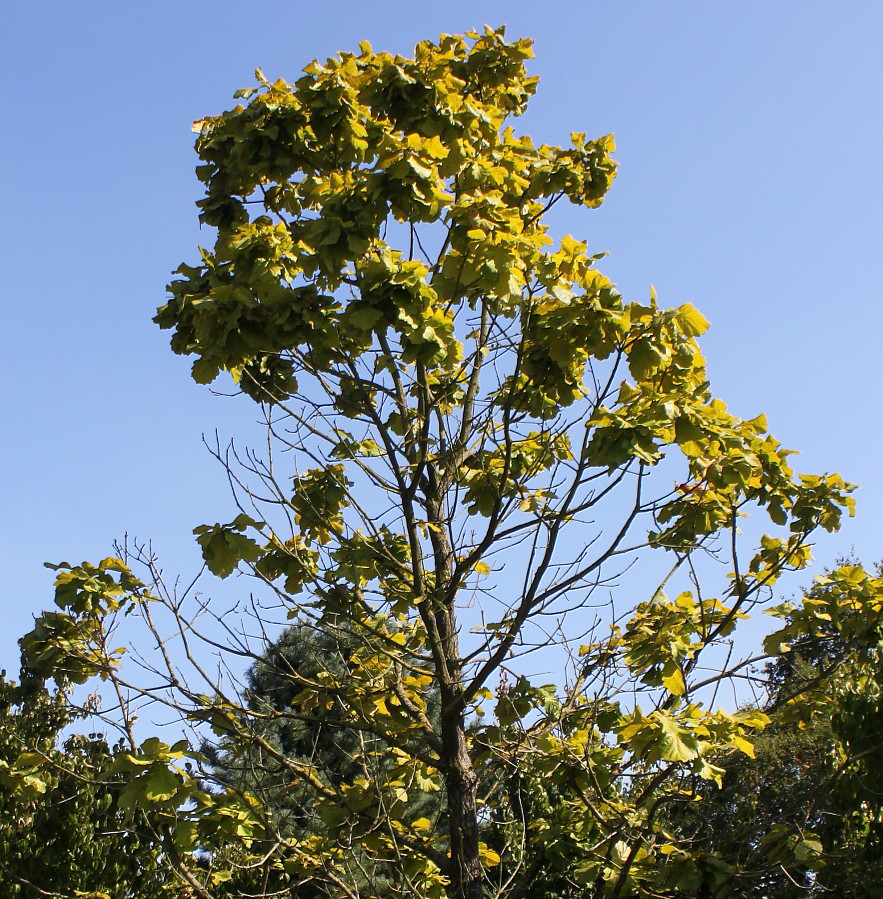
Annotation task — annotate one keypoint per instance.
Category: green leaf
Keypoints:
(223, 547)
(204, 371)
(678, 744)
(161, 784)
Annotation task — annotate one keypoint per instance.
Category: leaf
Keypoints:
(134, 761)
(481, 568)
(673, 679)
(161, 784)
(693, 323)
(365, 317)
(348, 449)
(644, 359)
(707, 771)
(489, 857)
(809, 850)
(744, 745)
(204, 371)
(223, 547)
(677, 743)
(29, 760)
(185, 836)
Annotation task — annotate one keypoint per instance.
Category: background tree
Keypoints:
(62, 832)
(299, 659)
(804, 814)
(471, 438)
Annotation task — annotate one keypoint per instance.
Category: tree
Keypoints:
(804, 814)
(300, 656)
(61, 830)
(474, 443)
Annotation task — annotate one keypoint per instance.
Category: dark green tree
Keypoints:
(302, 658)
(299, 659)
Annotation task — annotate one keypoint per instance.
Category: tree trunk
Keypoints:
(461, 782)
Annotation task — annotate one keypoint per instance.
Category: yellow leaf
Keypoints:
(744, 745)
(487, 855)
(692, 320)
(481, 568)
(673, 680)
(435, 148)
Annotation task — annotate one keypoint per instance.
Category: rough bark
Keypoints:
(461, 781)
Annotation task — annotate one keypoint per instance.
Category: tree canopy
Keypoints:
(481, 462)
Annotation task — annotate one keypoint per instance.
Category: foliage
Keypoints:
(61, 829)
(339, 754)
(804, 814)
(477, 450)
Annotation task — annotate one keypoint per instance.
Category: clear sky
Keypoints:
(749, 138)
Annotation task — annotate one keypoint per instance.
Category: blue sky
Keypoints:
(750, 184)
